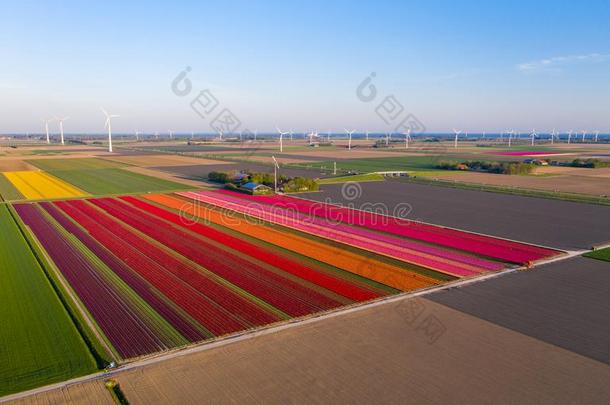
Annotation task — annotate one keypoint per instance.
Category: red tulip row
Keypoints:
(269, 284)
(130, 277)
(335, 284)
(215, 307)
(126, 328)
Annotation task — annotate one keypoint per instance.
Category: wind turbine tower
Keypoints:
(46, 127)
(455, 140)
(61, 128)
(349, 142)
(276, 167)
(407, 138)
(108, 124)
(281, 138)
(533, 135)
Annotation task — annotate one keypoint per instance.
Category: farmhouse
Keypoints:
(256, 188)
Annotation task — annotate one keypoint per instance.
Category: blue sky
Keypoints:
(478, 66)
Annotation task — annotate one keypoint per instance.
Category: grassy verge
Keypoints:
(601, 254)
(357, 177)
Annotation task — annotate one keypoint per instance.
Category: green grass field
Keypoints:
(357, 177)
(39, 344)
(7, 191)
(115, 181)
(602, 254)
(368, 165)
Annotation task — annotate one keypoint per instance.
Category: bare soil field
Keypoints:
(569, 182)
(575, 171)
(553, 223)
(384, 354)
(563, 303)
(14, 165)
(163, 160)
(166, 176)
(90, 393)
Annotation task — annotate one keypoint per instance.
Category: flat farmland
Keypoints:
(198, 172)
(39, 344)
(564, 304)
(115, 181)
(585, 181)
(51, 165)
(36, 185)
(100, 176)
(376, 355)
(559, 224)
(162, 160)
(166, 289)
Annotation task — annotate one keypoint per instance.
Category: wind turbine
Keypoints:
(137, 136)
(171, 134)
(455, 140)
(108, 124)
(281, 138)
(61, 127)
(311, 135)
(387, 139)
(367, 135)
(46, 127)
(583, 136)
(407, 138)
(596, 136)
(349, 134)
(510, 137)
(291, 134)
(276, 167)
(553, 137)
(569, 136)
(533, 135)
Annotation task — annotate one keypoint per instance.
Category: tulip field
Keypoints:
(34, 185)
(161, 271)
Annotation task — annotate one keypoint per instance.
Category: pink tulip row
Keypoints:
(501, 249)
(430, 257)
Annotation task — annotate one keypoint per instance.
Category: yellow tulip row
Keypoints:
(36, 185)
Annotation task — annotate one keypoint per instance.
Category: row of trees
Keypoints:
(488, 167)
(589, 163)
(287, 184)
